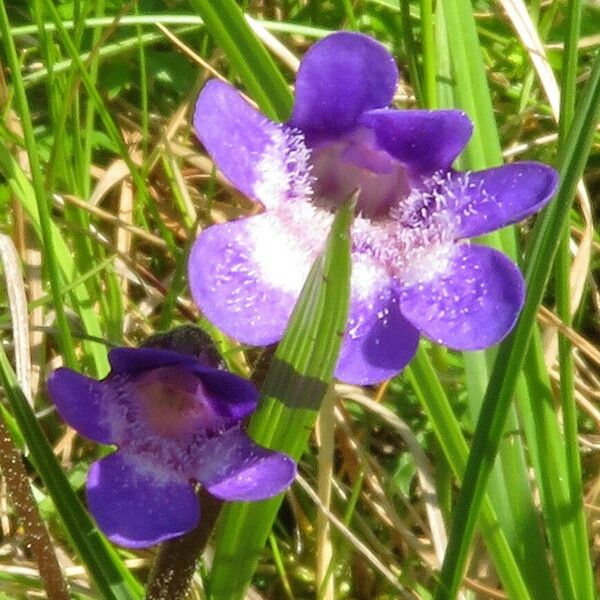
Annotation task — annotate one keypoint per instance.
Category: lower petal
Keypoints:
(246, 275)
(133, 508)
(379, 342)
(82, 403)
(473, 305)
(233, 467)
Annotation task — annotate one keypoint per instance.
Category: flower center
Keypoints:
(415, 243)
(173, 403)
(355, 162)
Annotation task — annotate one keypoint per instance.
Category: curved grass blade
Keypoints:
(292, 393)
(112, 578)
(511, 355)
(254, 65)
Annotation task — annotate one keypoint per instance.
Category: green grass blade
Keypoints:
(81, 300)
(429, 54)
(254, 65)
(65, 338)
(508, 487)
(511, 354)
(432, 396)
(96, 100)
(111, 576)
(294, 388)
(583, 582)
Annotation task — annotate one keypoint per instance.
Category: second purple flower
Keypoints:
(413, 269)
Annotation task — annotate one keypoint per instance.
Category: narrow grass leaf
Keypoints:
(295, 385)
(112, 578)
(254, 65)
(433, 398)
(464, 85)
(81, 300)
(584, 583)
(511, 355)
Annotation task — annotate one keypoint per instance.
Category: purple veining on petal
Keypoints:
(174, 403)
(379, 342)
(135, 509)
(355, 162)
(264, 160)
(488, 200)
(233, 467)
(246, 275)
(79, 401)
(471, 306)
(424, 141)
(235, 134)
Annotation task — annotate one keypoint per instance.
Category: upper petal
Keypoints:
(488, 200)
(378, 342)
(131, 360)
(236, 396)
(233, 467)
(134, 508)
(233, 396)
(339, 78)
(236, 136)
(426, 141)
(246, 275)
(471, 306)
(82, 403)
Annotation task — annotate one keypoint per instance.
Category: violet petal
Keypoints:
(237, 398)
(81, 402)
(232, 395)
(235, 135)
(236, 468)
(491, 199)
(129, 360)
(473, 305)
(341, 77)
(133, 508)
(379, 342)
(425, 141)
(246, 275)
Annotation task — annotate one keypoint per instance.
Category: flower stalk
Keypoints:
(176, 562)
(36, 535)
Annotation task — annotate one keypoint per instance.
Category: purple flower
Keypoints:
(412, 268)
(176, 422)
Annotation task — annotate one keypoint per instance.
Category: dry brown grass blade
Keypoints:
(31, 255)
(516, 11)
(354, 540)
(584, 345)
(111, 177)
(110, 218)
(286, 56)
(424, 469)
(324, 554)
(17, 301)
(375, 497)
